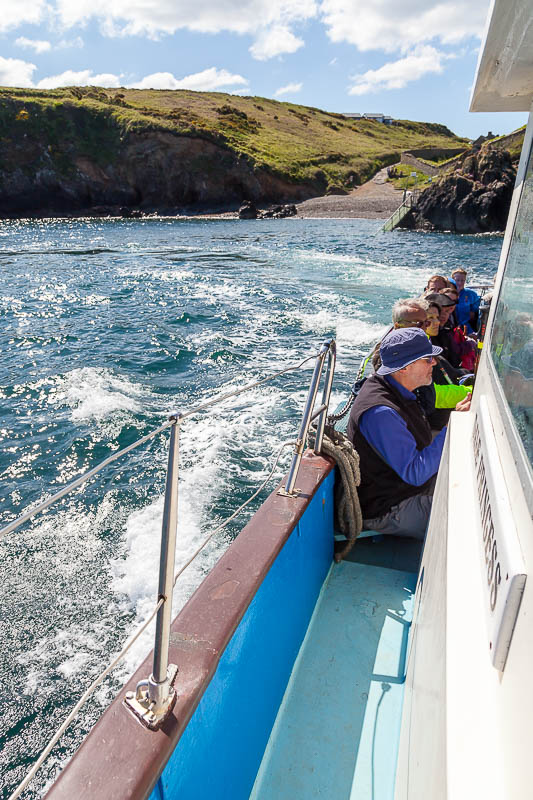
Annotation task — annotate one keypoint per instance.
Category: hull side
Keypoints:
(234, 642)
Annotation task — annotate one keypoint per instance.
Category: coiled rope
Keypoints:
(348, 514)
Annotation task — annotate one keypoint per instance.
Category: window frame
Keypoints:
(523, 465)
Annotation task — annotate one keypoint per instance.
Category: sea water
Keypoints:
(106, 327)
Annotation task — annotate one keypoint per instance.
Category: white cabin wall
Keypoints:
(467, 726)
(421, 769)
(512, 692)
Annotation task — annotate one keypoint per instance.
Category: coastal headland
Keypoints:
(100, 151)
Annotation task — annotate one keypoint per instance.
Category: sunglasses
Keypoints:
(416, 324)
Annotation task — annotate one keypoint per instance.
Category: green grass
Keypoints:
(296, 142)
(511, 141)
(405, 181)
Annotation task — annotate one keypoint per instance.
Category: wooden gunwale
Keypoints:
(120, 759)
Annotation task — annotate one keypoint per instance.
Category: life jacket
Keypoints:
(381, 487)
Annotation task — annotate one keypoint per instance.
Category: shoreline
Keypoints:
(375, 199)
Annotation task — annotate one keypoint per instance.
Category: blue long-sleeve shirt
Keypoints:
(386, 431)
(467, 301)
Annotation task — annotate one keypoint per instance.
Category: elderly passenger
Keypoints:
(390, 431)
(444, 394)
(408, 312)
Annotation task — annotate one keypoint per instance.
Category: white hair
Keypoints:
(406, 306)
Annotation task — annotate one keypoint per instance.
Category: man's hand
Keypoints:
(464, 405)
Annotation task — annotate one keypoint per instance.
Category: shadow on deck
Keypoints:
(337, 731)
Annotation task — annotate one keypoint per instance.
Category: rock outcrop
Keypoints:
(249, 210)
(475, 198)
(279, 212)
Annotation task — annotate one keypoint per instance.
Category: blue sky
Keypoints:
(412, 60)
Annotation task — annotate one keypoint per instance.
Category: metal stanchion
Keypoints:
(308, 416)
(154, 698)
(326, 393)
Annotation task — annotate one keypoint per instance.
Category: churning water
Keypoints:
(107, 325)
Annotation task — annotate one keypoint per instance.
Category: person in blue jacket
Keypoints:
(467, 308)
(390, 431)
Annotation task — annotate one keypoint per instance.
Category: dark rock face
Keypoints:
(149, 171)
(473, 199)
(279, 212)
(248, 210)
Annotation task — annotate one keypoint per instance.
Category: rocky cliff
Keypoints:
(80, 150)
(474, 198)
(147, 170)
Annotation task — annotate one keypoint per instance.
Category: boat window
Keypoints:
(512, 333)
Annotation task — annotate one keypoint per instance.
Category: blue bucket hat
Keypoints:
(403, 346)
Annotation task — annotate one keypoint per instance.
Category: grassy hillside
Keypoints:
(297, 143)
(511, 141)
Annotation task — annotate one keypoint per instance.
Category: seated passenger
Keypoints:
(453, 294)
(468, 302)
(436, 283)
(399, 459)
(457, 348)
(417, 313)
(406, 313)
(445, 377)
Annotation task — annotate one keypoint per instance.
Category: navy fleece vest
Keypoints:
(381, 487)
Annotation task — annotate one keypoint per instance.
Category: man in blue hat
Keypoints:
(390, 431)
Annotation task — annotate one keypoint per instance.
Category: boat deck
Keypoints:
(337, 731)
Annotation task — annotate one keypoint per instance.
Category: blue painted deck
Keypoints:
(337, 731)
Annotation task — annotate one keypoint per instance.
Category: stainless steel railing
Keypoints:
(328, 349)
(155, 696)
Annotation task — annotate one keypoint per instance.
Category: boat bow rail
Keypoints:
(154, 697)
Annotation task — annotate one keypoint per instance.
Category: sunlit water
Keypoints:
(108, 325)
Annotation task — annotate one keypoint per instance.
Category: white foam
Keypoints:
(356, 331)
(351, 331)
(169, 275)
(67, 544)
(208, 468)
(96, 393)
(409, 279)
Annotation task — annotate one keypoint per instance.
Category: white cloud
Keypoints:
(14, 72)
(22, 12)
(208, 80)
(83, 78)
(291, 88)
(269, 21)
(275, 42)
(397, 74)
(33, 44)
(388, 25)
(65, 44)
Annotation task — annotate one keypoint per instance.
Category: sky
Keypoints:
(414, 59)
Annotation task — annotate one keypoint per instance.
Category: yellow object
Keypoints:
(447, 396)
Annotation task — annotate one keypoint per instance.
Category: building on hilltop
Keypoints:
(378, 117)
(368, 115)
